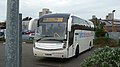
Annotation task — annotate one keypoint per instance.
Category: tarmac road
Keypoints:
(28, 60)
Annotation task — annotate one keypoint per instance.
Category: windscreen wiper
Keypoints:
(43, 37)
(55, 40)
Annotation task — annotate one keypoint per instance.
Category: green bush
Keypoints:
(103, 57)
(103, 41)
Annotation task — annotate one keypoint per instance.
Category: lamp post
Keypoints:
(13, 45)
(113, 30)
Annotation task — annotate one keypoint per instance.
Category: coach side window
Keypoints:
(75, 20)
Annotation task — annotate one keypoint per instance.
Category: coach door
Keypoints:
(71, 46)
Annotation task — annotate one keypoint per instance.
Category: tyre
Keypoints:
(90, 46)
(77, 52)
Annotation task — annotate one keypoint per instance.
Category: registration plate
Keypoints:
(48, 54)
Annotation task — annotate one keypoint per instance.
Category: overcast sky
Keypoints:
(83, 8)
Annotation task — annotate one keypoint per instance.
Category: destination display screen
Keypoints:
(52, 19)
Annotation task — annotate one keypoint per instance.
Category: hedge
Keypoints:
(103, 57)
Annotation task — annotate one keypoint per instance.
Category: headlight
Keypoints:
(64, 45)
(34, 45)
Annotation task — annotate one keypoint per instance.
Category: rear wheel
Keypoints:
(90, 46)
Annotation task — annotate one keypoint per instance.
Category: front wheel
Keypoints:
(77, 52)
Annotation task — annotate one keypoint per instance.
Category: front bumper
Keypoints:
(53, 53)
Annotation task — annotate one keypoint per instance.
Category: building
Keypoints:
(112, 27)
(111, 24)
(25, 25)
(110, 16)
(44, 11)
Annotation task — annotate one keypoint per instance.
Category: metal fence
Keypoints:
(114, 35)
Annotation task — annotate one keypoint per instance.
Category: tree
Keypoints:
(95, 22)
(27, 18)
(100, 32)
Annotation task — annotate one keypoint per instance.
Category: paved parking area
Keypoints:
(28, 60)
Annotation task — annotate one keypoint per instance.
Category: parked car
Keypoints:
(28, 35)
(1, 34)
